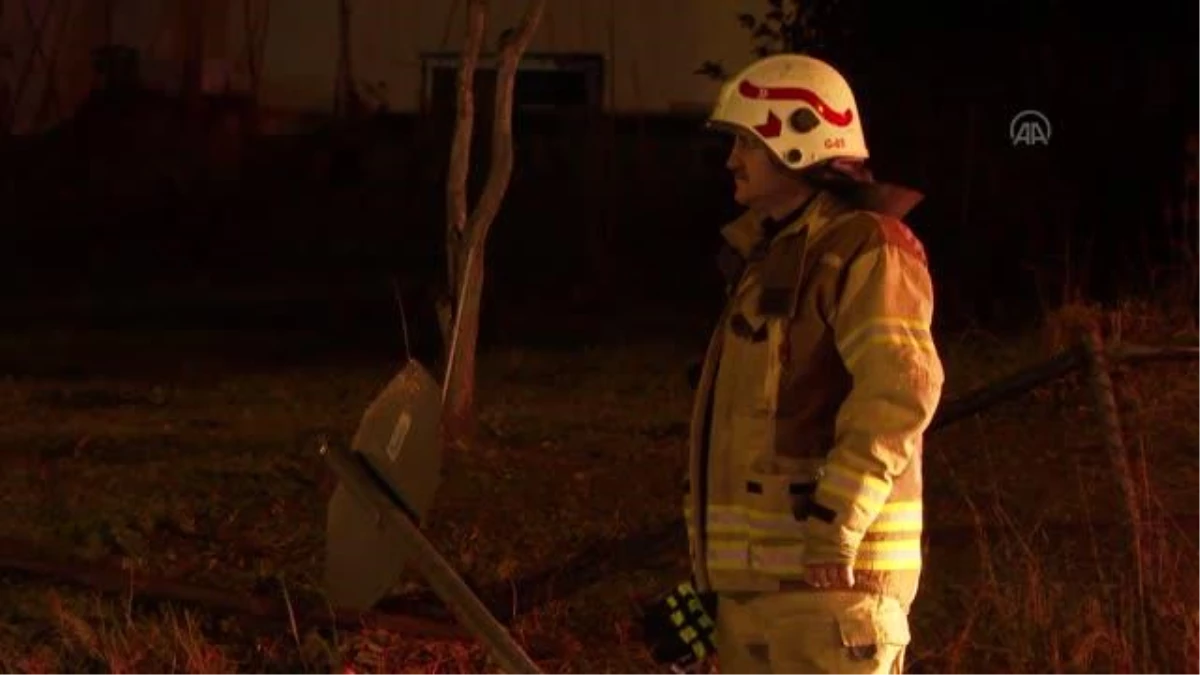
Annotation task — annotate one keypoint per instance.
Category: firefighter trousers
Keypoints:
(810, 631)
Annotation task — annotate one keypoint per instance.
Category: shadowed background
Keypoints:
(140, 210)
(189, 303)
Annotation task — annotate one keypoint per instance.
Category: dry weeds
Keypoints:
(208, 473)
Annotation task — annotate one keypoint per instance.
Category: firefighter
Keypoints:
(804, 506)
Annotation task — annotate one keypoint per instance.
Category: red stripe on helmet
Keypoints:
(840, 119)
(771, 128)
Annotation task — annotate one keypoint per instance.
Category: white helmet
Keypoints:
(801, 108)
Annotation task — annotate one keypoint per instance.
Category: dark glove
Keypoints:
(678, 627)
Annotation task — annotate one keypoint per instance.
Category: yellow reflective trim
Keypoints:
(892, 526)
(727, 544)
(738, 553)
(894, 507)
(890, 546)
(918, 340)
(901, 516)
(884, 326)
(900, 339)
(897, 517)
(727, 555)
(897, 565)
(728, 540)
(720, 520)
(888, 558)
(883, 322)
(717, 525)
(904, 505)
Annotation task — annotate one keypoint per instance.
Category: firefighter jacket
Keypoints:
(818, 384)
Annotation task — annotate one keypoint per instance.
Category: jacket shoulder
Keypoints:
(860, 231)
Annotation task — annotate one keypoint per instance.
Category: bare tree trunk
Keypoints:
(345, 94)
(38, 29)
(467, 235)
(256, 21)
(460, 157)
(50, 107)
(191, 30)
(110, 8)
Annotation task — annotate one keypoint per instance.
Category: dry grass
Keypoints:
(207, 472)
(1063, 579)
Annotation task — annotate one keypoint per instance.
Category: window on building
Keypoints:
(544, 82)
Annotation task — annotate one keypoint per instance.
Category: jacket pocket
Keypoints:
(776, 537)
(745, 320)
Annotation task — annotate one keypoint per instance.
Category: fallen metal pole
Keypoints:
(1051, 369)
(1109, 419)
(1145, 353)
(441, 576)
(1006, 388)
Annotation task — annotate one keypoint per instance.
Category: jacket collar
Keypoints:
(783, 254)
(747, 232)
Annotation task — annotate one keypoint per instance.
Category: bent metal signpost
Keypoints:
(387, 482)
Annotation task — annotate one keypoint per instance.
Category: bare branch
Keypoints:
(460, 149)
(500, 170)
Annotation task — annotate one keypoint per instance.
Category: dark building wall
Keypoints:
(608, 215)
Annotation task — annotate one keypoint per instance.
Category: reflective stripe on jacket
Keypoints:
(818, 384)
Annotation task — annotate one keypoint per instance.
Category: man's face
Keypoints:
(758, 182)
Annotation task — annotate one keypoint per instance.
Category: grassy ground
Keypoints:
(188, 463)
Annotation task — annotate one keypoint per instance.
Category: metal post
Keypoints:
(1101, 384)
(450, 587)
